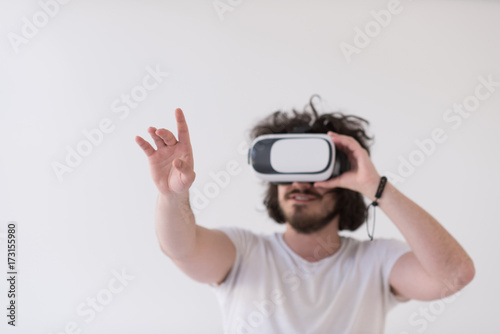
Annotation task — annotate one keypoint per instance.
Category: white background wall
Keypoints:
(227, 72)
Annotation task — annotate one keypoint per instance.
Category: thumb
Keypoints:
(183, 168)
(178, 164)
(331, 183)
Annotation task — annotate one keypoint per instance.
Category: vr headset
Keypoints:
(301, 157)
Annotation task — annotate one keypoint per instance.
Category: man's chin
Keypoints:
(307, 230)
(306, 227)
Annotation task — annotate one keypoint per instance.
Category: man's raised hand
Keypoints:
(171, 164)
(362, 177)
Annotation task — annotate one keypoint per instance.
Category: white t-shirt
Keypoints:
(270, 289)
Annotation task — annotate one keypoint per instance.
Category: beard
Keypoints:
(302, 220)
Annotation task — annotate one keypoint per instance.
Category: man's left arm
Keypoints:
(437, 265)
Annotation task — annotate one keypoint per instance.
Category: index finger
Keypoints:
(182, 128)
(346, 143)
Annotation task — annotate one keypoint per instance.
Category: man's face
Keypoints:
(307, 209)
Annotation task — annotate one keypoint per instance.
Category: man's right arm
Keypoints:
(205, 255)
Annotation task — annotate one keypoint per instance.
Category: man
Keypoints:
(308, 279)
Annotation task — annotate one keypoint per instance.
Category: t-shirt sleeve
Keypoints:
(243, 241)
(390, 251)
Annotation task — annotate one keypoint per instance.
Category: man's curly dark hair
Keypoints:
(350, 205)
